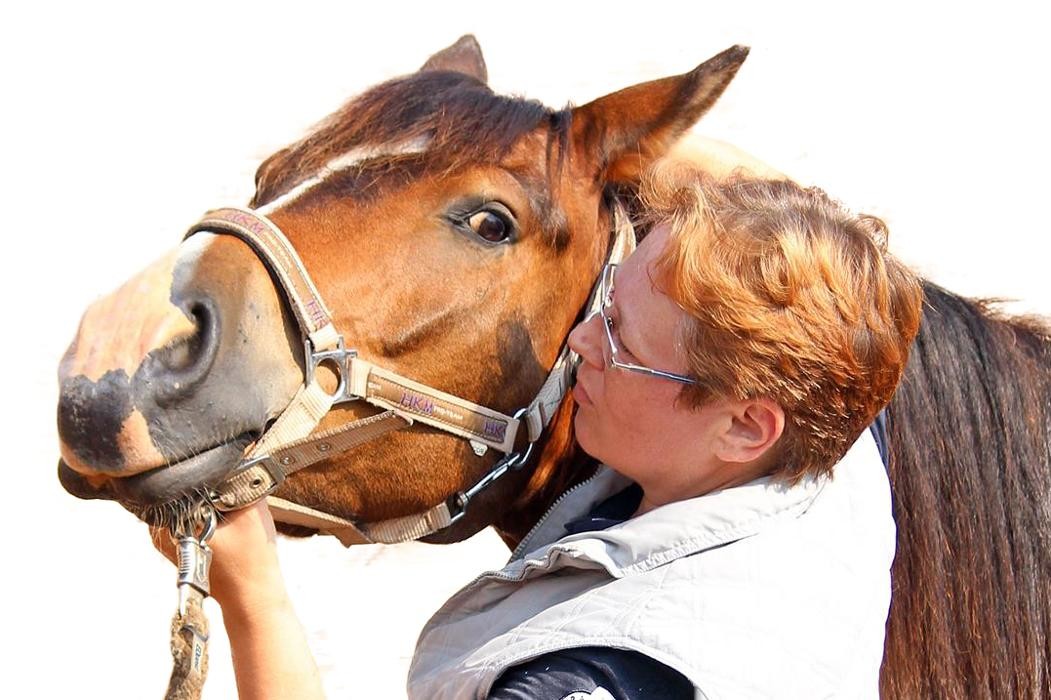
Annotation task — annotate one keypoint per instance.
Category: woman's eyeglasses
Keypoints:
(606, 297)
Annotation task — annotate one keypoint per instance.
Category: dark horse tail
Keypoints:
(970, 467)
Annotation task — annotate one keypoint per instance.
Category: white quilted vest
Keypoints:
(757, 591)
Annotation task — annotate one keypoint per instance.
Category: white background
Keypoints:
(122, 122)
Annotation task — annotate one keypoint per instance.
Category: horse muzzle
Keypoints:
(171, 376)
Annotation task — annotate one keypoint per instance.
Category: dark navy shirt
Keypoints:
(582, 674)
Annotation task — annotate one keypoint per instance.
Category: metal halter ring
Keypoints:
(340, 358)
(517, 460)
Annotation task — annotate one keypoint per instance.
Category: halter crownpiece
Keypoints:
(291, 444)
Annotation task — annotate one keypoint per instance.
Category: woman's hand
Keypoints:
(271, 656)
(245, 572)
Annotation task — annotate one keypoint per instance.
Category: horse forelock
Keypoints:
(424, 123)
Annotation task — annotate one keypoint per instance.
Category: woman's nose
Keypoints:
(585, 340)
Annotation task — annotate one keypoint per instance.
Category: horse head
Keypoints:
(454, 233)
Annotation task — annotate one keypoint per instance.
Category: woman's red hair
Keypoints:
(790, 297)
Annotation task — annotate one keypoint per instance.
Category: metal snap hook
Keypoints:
(211, 521)
(195, 557)
(205, 517)
(518, 460)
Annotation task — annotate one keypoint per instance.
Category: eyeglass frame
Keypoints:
(605, 302)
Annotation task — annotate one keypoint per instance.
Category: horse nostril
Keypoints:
(181, 355)
(182, 365)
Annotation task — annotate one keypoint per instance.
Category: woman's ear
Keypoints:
(750, 429)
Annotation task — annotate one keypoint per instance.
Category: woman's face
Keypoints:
(628, 420)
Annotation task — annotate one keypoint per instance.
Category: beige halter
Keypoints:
(291, 443)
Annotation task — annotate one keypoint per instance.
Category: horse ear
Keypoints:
(622, 133)
(465, 56)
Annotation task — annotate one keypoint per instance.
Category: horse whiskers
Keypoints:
(181, 514)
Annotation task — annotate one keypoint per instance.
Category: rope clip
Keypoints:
(195, 557)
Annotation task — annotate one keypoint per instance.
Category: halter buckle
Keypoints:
(339, 359)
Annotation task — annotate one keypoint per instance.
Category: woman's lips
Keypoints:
(580, 394)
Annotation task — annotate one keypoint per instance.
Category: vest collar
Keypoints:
(669, 532)
(686, 527)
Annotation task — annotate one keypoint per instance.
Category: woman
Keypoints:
(738, 540)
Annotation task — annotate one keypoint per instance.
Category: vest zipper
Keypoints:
(518, 550)
(499, 574)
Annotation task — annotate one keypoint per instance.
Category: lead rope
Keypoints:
(189, 629)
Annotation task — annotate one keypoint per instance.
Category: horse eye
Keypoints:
(490, 226)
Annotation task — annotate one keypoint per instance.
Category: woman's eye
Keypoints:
(490, 226)
(614, 337)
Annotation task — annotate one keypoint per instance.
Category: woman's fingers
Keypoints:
(244, 553)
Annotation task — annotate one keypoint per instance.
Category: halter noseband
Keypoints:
(291, 444)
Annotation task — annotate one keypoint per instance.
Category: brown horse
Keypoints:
(456, 234)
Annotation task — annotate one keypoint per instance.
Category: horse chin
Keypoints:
(155, 496)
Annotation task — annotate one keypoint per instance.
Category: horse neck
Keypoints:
(561, 465)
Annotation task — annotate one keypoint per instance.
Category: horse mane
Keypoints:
(462, 121)
(970, 467)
